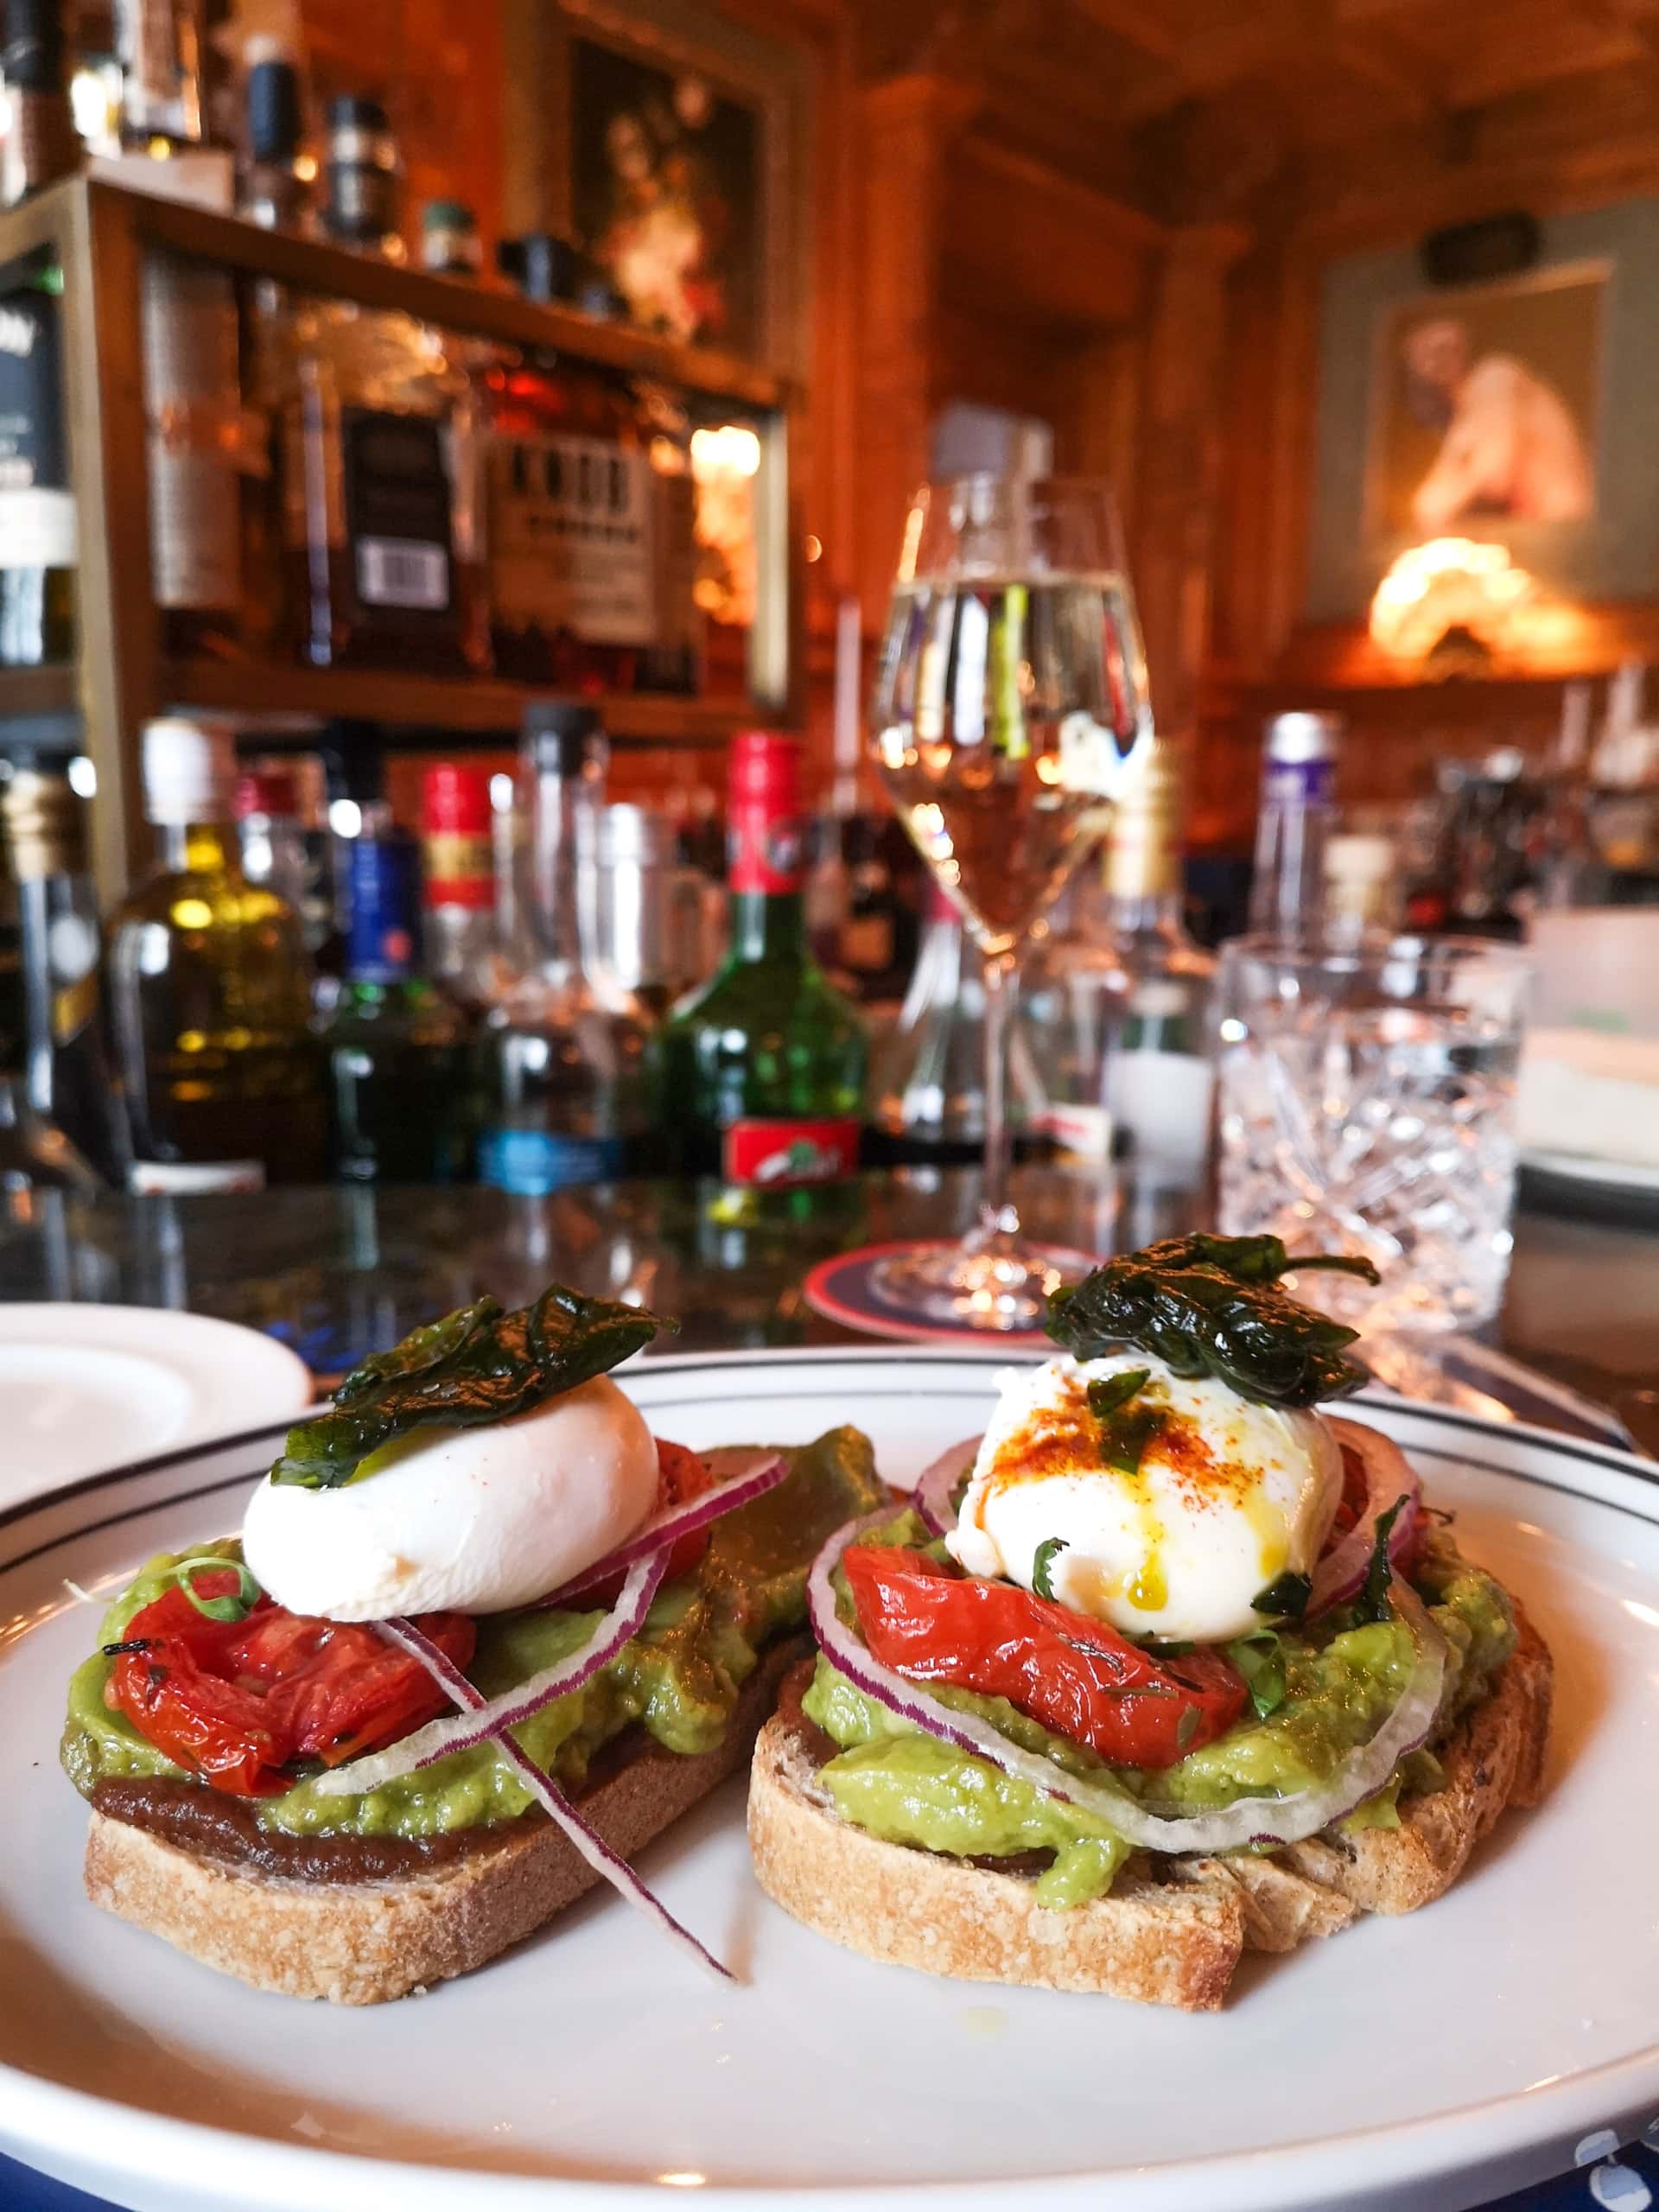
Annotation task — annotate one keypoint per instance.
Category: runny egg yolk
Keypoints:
(1167, 1515)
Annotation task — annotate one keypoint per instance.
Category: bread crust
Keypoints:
(364, 1942)
(1173, 1930)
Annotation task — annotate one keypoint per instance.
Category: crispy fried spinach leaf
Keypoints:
(1372, 1602)
(1212, 1305)
(476, 1365)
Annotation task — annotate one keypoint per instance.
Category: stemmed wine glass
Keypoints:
(1010, 705)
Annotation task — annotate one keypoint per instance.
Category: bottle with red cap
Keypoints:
(463, 950)
(764, 1070)
(271, 830)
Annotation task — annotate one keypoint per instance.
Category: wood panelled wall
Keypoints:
(1115, 214)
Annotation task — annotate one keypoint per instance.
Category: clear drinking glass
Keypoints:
(1366, 1101)
(1011, 700)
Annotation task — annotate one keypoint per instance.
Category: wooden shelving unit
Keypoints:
(480, 706)
(100, 233)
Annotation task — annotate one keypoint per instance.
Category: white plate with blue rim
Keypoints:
(89, 1387)
(1433, 2060)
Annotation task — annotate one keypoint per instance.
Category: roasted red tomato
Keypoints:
(1077, 1676)
(236, 1701)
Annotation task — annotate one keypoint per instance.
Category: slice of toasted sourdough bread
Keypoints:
(1173, 1930)
(362, 1943)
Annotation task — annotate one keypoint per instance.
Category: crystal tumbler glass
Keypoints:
(1366, 1103)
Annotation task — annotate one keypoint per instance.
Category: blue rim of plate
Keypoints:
(843, 1289)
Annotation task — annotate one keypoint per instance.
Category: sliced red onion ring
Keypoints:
(666, 1528)
(458, 1732)
(1248, 1820)
(583, 1836)
(934, 1496)
(1389, 1475)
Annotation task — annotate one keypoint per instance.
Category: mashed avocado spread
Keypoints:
(679, 1677)
(1340, 1681)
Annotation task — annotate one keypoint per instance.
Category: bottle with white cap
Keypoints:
(1299, 811)
(210, 993)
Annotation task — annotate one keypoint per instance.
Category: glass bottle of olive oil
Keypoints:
(211, 993)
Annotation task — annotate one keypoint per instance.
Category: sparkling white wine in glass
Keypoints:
(1010, 702)
(1003, 706)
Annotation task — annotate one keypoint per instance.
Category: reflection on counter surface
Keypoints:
(337, 1273)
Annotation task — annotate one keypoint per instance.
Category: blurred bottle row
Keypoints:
(347, 485)
(538, 989)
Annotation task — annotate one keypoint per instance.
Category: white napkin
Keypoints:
(1585, 1091)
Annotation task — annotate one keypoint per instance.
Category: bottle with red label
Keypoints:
(463, 948)
(763, 1073)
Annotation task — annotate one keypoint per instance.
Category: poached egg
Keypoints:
(1227, 1497)
(473, 1520)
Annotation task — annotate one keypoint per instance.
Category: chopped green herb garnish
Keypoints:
(1047, 1552)
(476, 1365)
(1260, 1657)
(1212, 1305)
(1372, 1602)
(1285, 1597)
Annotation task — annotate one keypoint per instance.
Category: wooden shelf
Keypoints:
(309, 266)
(480, 706)
(30, 691)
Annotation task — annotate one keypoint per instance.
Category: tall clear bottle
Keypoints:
(1159, 1075)
(69, 1081)
(566, 1101)
(37, 509)
(1298, 814)
(381, 548)
(211, 993)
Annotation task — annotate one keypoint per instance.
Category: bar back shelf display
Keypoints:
(125, 668)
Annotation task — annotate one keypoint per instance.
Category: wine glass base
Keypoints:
(995, 1285)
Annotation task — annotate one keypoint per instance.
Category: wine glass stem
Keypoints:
(997, 1214)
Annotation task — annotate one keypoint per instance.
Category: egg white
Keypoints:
(1177, 1550)
(478, 1520)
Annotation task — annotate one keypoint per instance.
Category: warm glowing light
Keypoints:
(1449, 583)
(812, 549)
(305, 168)
(192, 914)
(731, 450)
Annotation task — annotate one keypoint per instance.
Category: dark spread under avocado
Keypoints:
(214, 1826)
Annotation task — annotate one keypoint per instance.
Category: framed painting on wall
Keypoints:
(1519, 411)
(674, 142)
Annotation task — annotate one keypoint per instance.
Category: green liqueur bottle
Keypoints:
(763, 1072)
(399, 1048)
